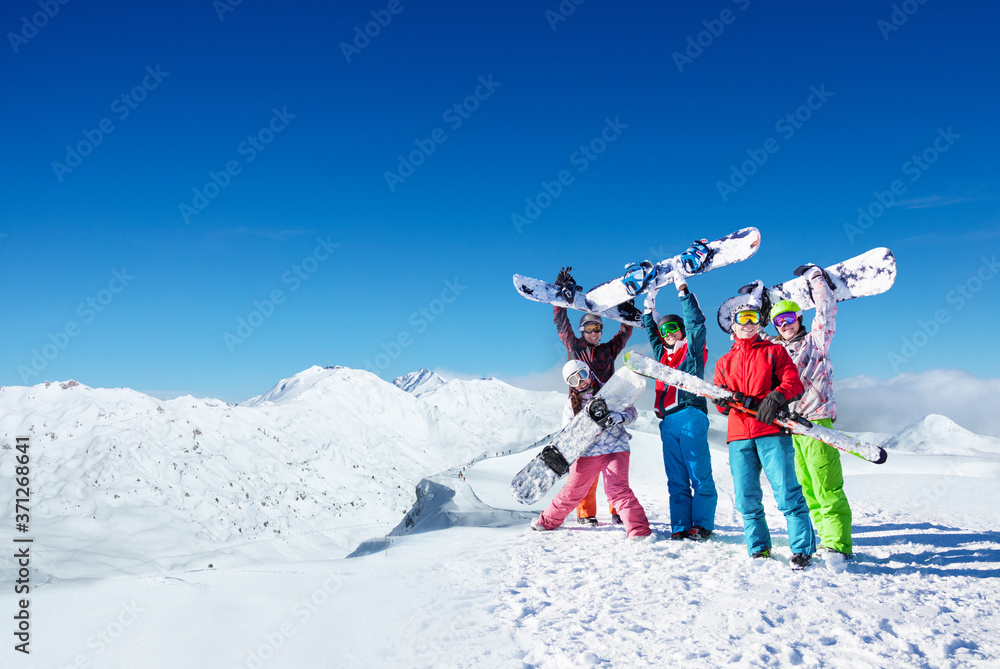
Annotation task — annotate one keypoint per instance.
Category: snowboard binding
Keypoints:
(567, 284)
(696, 256)
(637, 277)
(757, 290)
(795, 417)
(599, 412)
(554, 459)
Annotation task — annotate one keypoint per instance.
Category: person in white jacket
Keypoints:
(817, 465)
(608, 455)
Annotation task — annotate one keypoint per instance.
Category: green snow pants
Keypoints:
(817, 466)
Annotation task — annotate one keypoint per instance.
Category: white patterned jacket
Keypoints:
(811, 354)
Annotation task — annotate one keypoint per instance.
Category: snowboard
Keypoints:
(870, 273)
(549, 293)
(621, 391)
(727, 250)
(648, 367)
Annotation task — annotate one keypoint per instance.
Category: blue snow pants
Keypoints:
(688, 465)
(775, 454)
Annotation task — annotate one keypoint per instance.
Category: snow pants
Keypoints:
(817, 466)
(775, 454)
(688, 464)
(614, 468)
(588, 507)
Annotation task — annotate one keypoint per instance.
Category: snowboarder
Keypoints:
(608, 455)
(679, 342)
(817, 465)
(764, 376)
(600, 359)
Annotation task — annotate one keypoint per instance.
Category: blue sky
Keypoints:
(237, 159)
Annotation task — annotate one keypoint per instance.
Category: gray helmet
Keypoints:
(590, 318)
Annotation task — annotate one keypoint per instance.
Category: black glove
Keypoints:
(564, 277)
(723, 404)
(768, 408)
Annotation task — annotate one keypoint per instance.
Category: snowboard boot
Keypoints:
(697, 533)
(616, 519)
(800, 561)
(762, 555)
(825, 549)
(587, 520)
(678, 536)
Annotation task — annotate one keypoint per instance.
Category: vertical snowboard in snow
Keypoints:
(727, 250)
(870, 273)
(620, 392)
(549, 293)
(648, 367)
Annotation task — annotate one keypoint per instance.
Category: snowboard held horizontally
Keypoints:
(727, 250)
(549, 293)
(870, 273)
(648, 367)
(621, 391)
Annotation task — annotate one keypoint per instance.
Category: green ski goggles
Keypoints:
(669, 328)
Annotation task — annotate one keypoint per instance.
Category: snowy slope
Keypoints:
(322, 461)
(466, 584)
(512, 416)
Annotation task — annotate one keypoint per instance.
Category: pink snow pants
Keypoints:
(614, 467)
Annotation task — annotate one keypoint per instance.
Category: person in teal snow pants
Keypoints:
(817, 465)
(761, 374)
(679, 342)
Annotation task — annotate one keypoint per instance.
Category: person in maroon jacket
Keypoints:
(601, 360)
(762, 375)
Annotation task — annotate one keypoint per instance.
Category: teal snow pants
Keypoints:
(688, 464)
(774, 455)
(817, 466)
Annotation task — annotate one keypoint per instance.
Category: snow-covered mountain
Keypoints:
(322, 461)
(939, 435)
(511, 416)
(419, 382)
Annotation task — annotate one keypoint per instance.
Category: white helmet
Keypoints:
(576, 370)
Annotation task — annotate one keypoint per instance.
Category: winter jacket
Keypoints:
(614, 439)
(669, 398)
(755, 367)
(600, 358)
(810, 353)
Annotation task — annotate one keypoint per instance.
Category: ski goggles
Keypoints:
(786, 318)
(593, 327)
(747, 317)
(576, 377)
(669, 328)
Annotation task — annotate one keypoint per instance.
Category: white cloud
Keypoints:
(869, 404)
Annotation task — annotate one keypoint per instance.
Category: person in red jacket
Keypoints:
(763, 375)
(600, 358)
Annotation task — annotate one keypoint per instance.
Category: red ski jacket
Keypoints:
(755, 367)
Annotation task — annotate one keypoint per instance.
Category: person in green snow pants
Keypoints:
(817, 465)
